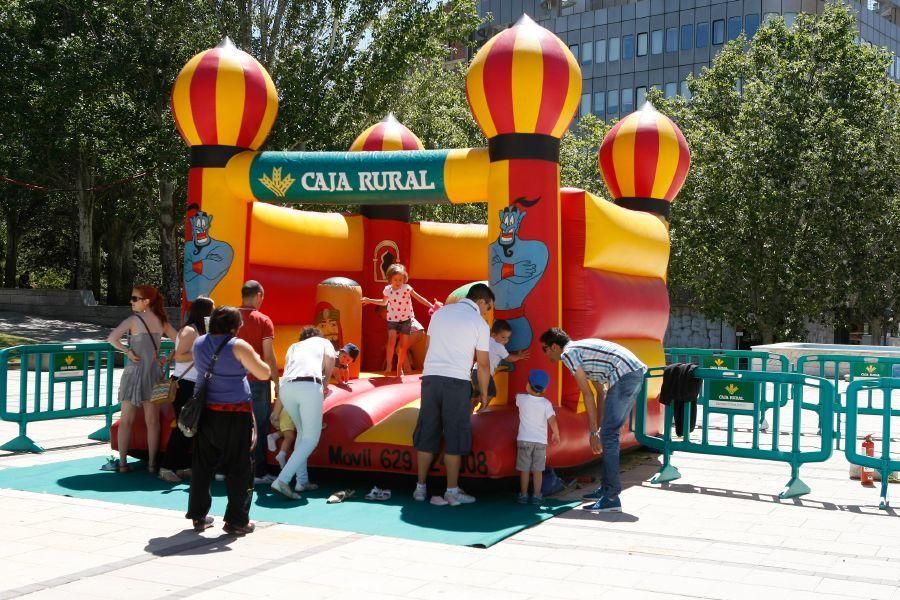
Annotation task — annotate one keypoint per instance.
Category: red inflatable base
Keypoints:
(369, 426)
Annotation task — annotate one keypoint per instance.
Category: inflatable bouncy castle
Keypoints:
(553, 257)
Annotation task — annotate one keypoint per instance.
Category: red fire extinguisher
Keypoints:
(866, 476)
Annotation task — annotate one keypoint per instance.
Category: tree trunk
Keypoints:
(128, 270)
(767, 333)
(84, 276)
(12, 255)
(96, 271)
(114, 245)
(168, 251)
(877, 330)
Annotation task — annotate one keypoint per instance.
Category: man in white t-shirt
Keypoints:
(456, 333)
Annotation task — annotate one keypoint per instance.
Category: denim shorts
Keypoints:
(401, 327)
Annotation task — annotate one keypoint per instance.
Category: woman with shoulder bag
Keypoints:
(144, 329)
(227, 431)
(176, 462)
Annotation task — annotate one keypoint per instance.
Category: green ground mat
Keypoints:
(492, 518)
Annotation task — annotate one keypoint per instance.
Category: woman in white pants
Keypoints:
(304, 384)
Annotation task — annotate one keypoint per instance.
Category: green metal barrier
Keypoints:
(737, 394)
(58, 381)
(734, 360)
(837, 368)
(883, 463)
(731, 360)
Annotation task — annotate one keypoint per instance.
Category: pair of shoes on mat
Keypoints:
(522, 498)
(285, 490)
(378, 494)
(239, 529)
(267, 478)
(306, 487)
(452, 499)
(203, 524)
(169, 475)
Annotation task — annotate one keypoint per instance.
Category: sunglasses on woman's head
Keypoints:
(136, 298)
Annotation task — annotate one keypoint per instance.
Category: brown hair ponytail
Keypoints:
(156, 302)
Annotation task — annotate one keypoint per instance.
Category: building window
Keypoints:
(769, 16)
(670, 90)
(702, 34)
(641, 96)
(642, 44)
(587, 53)
(612, 104)
(600, 51)
(656, 41)
(687, 36)
(672, 39)
(599, 103)
(734, 28)
(718, 32)
(574, 50)
(627, 101)
(627, 47)
(613, 49)
(789, 18)
(585, 105)
(685, 91)
(751, 24)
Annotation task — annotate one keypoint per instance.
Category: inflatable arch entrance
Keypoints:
(552, 256)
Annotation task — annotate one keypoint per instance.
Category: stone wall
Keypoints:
(69, 305)
(689, 329)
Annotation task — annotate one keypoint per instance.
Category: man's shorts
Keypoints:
(531, 456)
(285, 423)
(446, 409)
(401, 327)
(476, 391)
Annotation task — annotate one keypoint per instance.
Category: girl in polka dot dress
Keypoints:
(398, 297)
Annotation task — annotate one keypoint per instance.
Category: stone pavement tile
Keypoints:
(57, 594)
(735, 553)
(685, 585)
(63, 561)
(460, 590)
(501, 565)
(225, 561)
(543, 587)
(171, 574)
(220, 594)
(785, 580)
(264, 586)
(866, 568)
(620, 593)
(113, 587)
(79, 527)
(855, 589)
(601, 574)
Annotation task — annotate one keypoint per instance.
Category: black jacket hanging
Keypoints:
(679, 386)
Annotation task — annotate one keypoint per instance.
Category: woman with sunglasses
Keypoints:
(144, 329)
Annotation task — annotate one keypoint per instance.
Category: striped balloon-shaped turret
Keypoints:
(389, 134)
(644, 160)
(224, 97)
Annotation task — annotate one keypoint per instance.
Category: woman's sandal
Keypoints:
(169, 476)
(126, 468)
(152, 468)
(203, 524)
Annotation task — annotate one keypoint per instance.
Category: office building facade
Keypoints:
(627, 47)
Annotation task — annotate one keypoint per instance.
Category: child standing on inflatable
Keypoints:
(500, 334)
(398, 297)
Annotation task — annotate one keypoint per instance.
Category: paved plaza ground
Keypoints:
(719, 532)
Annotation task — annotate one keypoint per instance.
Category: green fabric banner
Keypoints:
(403, 177)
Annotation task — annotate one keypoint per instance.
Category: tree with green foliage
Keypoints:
(790, 210)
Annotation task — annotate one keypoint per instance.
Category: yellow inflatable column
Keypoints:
(339, 314)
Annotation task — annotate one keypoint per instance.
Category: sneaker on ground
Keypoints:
(420, 494)
(439, 501)
(306, 487)
(457, 498)
(220, 477)
(537, 499)
(595, 495)
(267, 478)
(604, 504)
(522, 498)
(285, 490)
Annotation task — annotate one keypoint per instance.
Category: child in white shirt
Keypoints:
(500, 334)
(535, 413)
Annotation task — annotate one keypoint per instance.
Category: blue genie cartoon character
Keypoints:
(206, 260)
(516, 266)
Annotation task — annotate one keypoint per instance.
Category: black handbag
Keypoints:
(189, 417)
